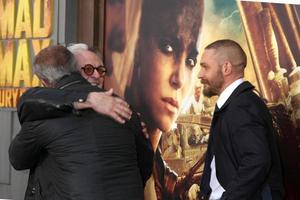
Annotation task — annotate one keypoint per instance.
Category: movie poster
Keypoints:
(152, 51)
(26, 27)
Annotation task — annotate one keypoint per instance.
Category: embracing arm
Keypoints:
(107, 104)
(43, 103)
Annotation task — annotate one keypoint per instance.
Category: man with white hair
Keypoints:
(89, 63)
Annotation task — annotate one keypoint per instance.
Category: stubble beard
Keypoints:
(210, 91)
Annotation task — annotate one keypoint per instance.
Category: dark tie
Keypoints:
(216, 109)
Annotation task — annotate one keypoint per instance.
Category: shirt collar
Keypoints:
(228, 91)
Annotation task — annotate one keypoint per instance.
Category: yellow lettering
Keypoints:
(1, 98)
(35, 81)
(8, 99)
(22, 91)
(23, 66)
(23, 22)
(7, 19)
(15, 94)
(38, 45)
(42, 29)
(6, 64)
(10, 96)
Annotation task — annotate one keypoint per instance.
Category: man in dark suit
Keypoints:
(242, 160)
(79, 155)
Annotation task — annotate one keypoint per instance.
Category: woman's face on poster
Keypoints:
(115, 30)
(167, 57)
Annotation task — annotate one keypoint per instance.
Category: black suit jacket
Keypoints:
(244, 143)
(78, 156)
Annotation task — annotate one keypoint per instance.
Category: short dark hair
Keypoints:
(155, 12)
(227, 43)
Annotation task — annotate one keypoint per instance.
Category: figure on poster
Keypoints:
(197, 104)
(194, 105)
(172, 149)
(166, 55)
(71, 156)
(243, 159)
(195, 137)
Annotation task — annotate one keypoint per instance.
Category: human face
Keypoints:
(211, 73)
(166, 57)
(197, 93)
(87, 57)
(114, 31)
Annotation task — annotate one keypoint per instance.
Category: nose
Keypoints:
(178, 76)
(122, 27)
(96, 74)
(101, 82)
(118, 30)
(200, 74)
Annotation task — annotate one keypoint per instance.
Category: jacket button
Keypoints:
(33, 190)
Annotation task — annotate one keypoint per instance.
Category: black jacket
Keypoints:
(78, 155)
(244, 143)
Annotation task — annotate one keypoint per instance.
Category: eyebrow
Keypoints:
(194, 51)
(176, 42)
(203, 64)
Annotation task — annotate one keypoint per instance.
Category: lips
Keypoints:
(172, 104)
(171, 101)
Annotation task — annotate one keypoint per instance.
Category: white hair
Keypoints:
(77, 47)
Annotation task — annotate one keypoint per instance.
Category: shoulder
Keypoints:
(246, 107)
(248, 100)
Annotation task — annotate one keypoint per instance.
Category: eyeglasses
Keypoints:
(89, 69)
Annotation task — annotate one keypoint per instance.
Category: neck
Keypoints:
(154, 133)
(229, 81)
(155, 136)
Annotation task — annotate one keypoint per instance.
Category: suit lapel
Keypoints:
(239, 90)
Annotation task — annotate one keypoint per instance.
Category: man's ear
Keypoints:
(227, 68)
